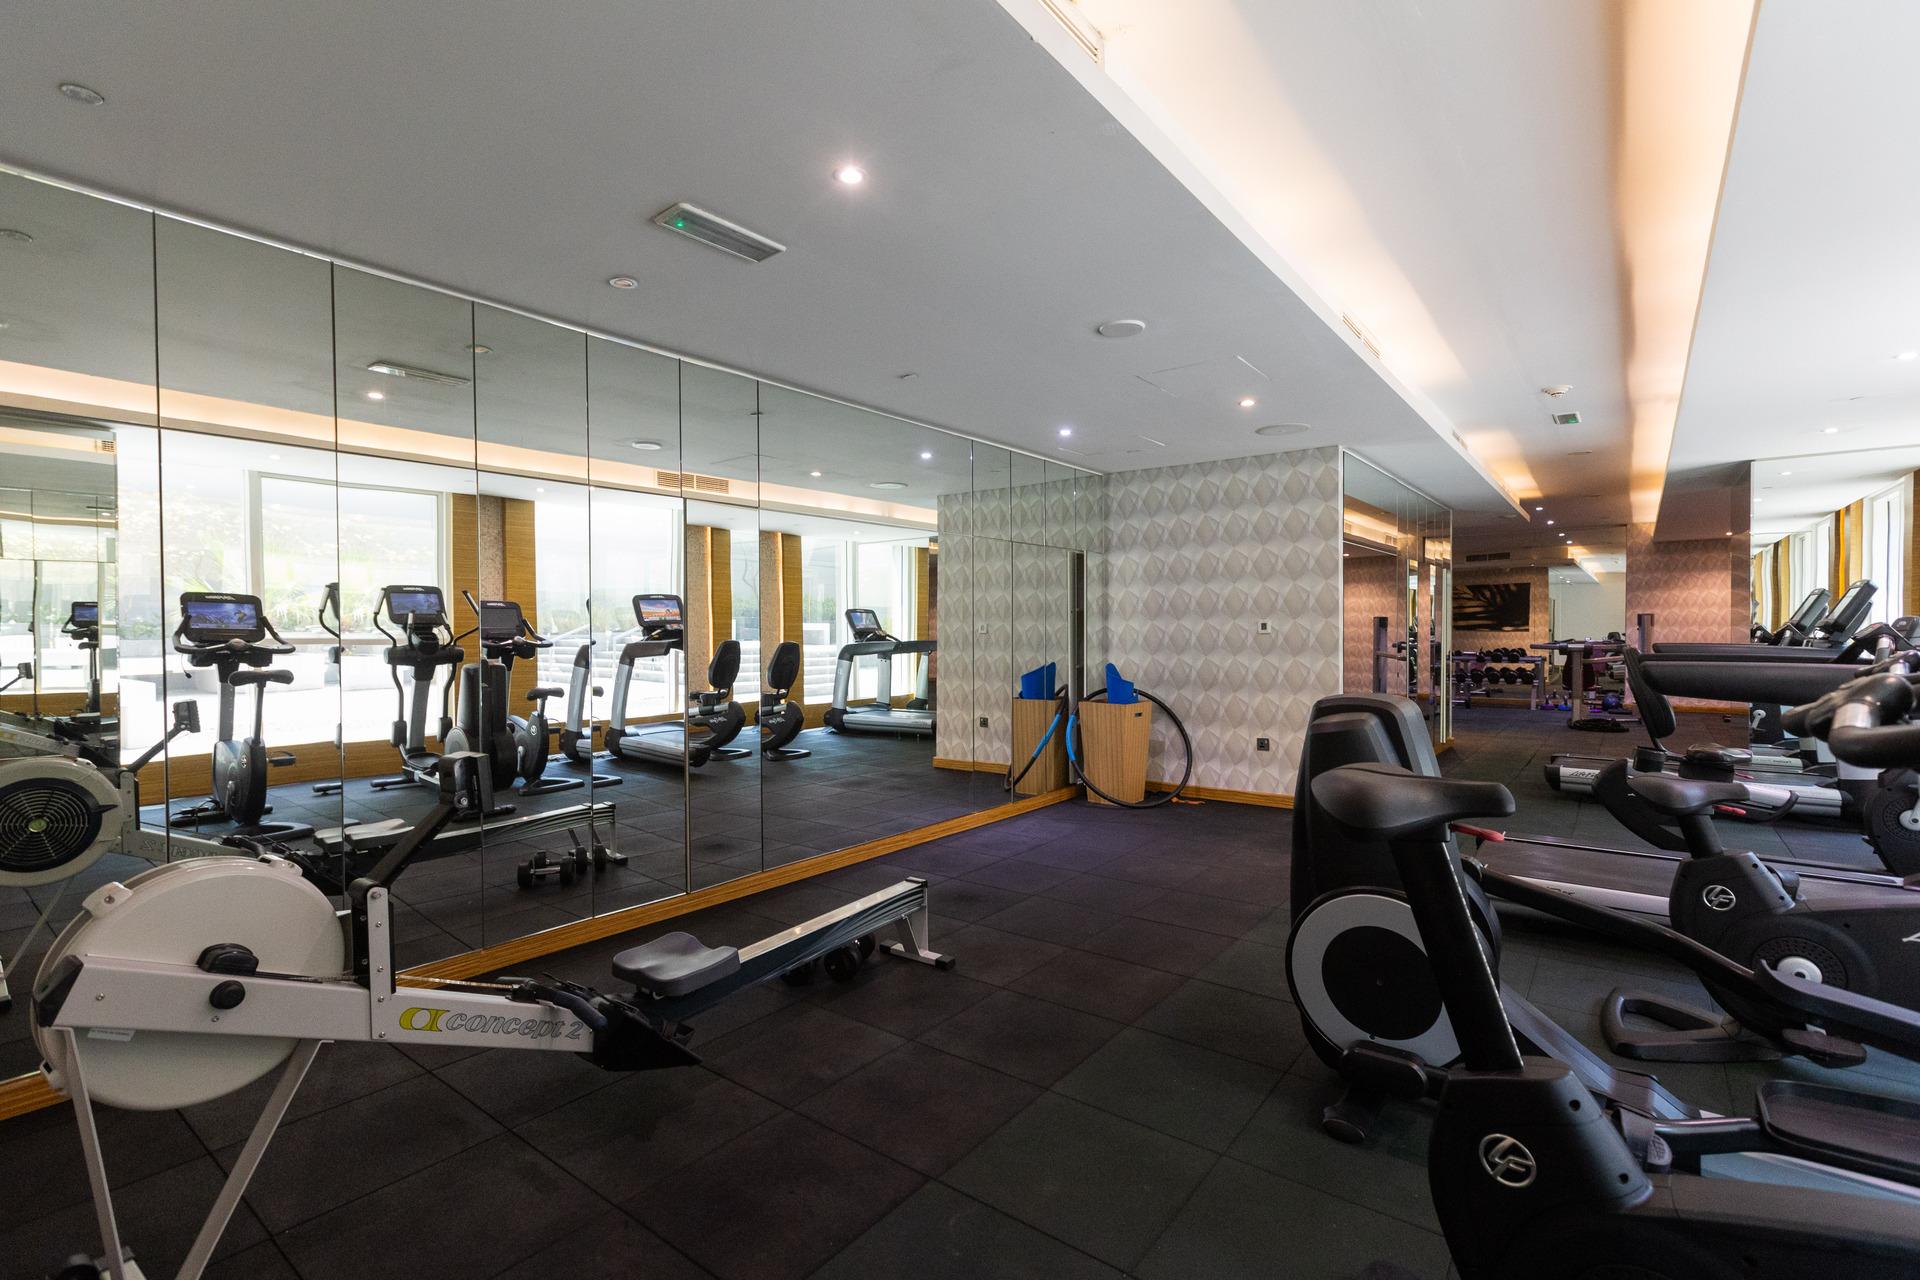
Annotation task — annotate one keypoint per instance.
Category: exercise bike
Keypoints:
(1533, 1174)
(227, 633)
(506, 636)
(197, 978)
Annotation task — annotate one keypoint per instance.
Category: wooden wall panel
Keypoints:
(463, 547)
(792, 602)
(699, 601)
(720, 606)
(773, 607)
(520, 584)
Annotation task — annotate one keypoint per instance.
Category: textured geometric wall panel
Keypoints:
(1695, 590)
(1374, 589)
(1198, 557)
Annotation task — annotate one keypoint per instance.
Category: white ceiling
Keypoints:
(1478, 182)
(504, 152)
(1810, 289)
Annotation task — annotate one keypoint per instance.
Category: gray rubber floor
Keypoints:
(1112, 1082)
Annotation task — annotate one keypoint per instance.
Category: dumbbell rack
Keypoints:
(1465, 683)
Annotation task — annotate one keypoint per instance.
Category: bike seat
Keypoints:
(1718, 757)
(1386, 800)
(241, 678)
(674, 964)
(1683, 797)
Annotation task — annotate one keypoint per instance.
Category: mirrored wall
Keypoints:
(289, 545)
(1397, 626)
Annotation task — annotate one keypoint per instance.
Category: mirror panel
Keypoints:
(636, 547)
(249, 513)
(719, 635)
(406, 467)
(543, 846)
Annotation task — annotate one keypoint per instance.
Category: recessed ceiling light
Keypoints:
(814, 474)
(888, 484)
(15, 234)
(395, 369)
(1065, 432)
(1549, 522)
(1908, 355)
(1539, 508)
(376, 395)
(851, 175)
(624, 282)
(1282, 429)
(1829, 431)
(651, 446)
(1121, 328)
(80, 93)
(926, 455)
(1247, 402)
(478, 348)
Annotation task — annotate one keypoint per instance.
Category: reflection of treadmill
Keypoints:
(663, 630)
(872, 640)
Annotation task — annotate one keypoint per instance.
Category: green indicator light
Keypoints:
(680, 222)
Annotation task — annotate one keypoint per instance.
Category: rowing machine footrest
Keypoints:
(674, 964)
(1684, 1032)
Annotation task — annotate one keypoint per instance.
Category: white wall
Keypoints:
(1587, 611)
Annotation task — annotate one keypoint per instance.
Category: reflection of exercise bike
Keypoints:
(781, 718)
(336, 669)
(82, 626)
(197, 978)
(506, 636)
(227, 633)
(426, 644)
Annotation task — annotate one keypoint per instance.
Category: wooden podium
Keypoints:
(1031, 719)
(1113, 740)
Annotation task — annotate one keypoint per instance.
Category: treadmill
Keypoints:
(663, 631)
(1799, 625)
(871, 640)
(1822, 638)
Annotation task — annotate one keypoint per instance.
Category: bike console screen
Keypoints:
(423, 606)
(216, 616)
(499, 621)
(85, 613)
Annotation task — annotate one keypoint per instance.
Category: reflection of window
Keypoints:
(821, 592)
(746, 605)
(560, 558)
(1885, 546)
(636, 541)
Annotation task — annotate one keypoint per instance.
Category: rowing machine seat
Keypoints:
(674, 964)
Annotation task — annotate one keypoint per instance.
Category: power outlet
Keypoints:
(983, 722)
(1263, 744)
(1263, 628)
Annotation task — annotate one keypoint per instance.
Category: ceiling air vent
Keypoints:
(715, 231)
(394, 369)
(689, 480)
(1489, 555)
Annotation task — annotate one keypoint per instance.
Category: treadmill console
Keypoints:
(866, 626)
(217, 617)
(660, 617)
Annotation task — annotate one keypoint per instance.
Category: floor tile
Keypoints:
(1104, 1185)
(920, 1106)
(1179, 1089)
(939, 1234)
(1032, 1039)
(1099, 985)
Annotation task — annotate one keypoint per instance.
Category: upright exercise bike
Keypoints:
(506, 637)
(228, 634)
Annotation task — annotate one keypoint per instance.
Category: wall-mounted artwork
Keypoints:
(1492, 606)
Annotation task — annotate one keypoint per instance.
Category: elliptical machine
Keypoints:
(1532, 1174)
(226, 633)
(426, 644)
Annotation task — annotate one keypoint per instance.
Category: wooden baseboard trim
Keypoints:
(1226, 795)
(25, 1094)
(1740, 709)
(969, 766)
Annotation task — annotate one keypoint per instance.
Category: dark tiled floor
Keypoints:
(1113, 1082)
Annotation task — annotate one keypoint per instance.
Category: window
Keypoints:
(1886, 551)
(822, 621)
